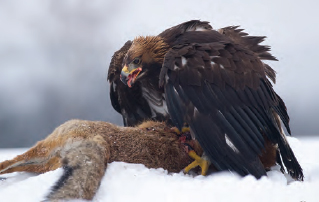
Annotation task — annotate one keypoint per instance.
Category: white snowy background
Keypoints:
(125, 182)
(54, 55)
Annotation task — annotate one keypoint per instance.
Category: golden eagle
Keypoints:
(214, 81)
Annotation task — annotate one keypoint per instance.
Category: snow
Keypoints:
(135, 182)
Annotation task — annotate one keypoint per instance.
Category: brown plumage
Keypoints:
(157, 49)
(216, 82)
(252, 43)
(129, 101)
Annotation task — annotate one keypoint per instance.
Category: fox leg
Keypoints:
(84, 166)
(39, 159)
(84, 160)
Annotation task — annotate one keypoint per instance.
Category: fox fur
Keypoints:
(83, 149)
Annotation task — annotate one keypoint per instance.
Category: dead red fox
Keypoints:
(83, 149)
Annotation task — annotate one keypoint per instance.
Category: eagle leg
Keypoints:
(185, 135)
(199, 161)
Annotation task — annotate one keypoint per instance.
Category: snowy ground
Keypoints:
(132, 182)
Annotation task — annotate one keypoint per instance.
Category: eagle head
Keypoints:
(146, 55)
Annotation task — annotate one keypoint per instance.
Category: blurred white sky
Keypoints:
(54, 55)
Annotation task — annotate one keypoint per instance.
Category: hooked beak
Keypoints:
(129, 77)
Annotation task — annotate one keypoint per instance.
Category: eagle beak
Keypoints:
(124, 74)
(129, 77)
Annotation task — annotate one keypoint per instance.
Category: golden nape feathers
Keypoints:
(151, 49)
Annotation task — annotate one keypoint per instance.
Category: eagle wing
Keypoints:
(221, 90)
(252, 43)
(129, 102)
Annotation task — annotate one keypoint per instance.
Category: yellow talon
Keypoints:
(184, 130)
(204, 164)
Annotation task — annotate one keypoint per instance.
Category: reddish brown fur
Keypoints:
(78, 145)
(86, 147)
(151, 144)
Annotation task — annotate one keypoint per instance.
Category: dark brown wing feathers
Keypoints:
(170, 35)
(220, 88)
(252, 43)
(217, 83)
(235, 72)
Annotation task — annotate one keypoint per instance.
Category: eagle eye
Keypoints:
(136, 61)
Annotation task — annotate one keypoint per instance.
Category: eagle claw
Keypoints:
(201, 162)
